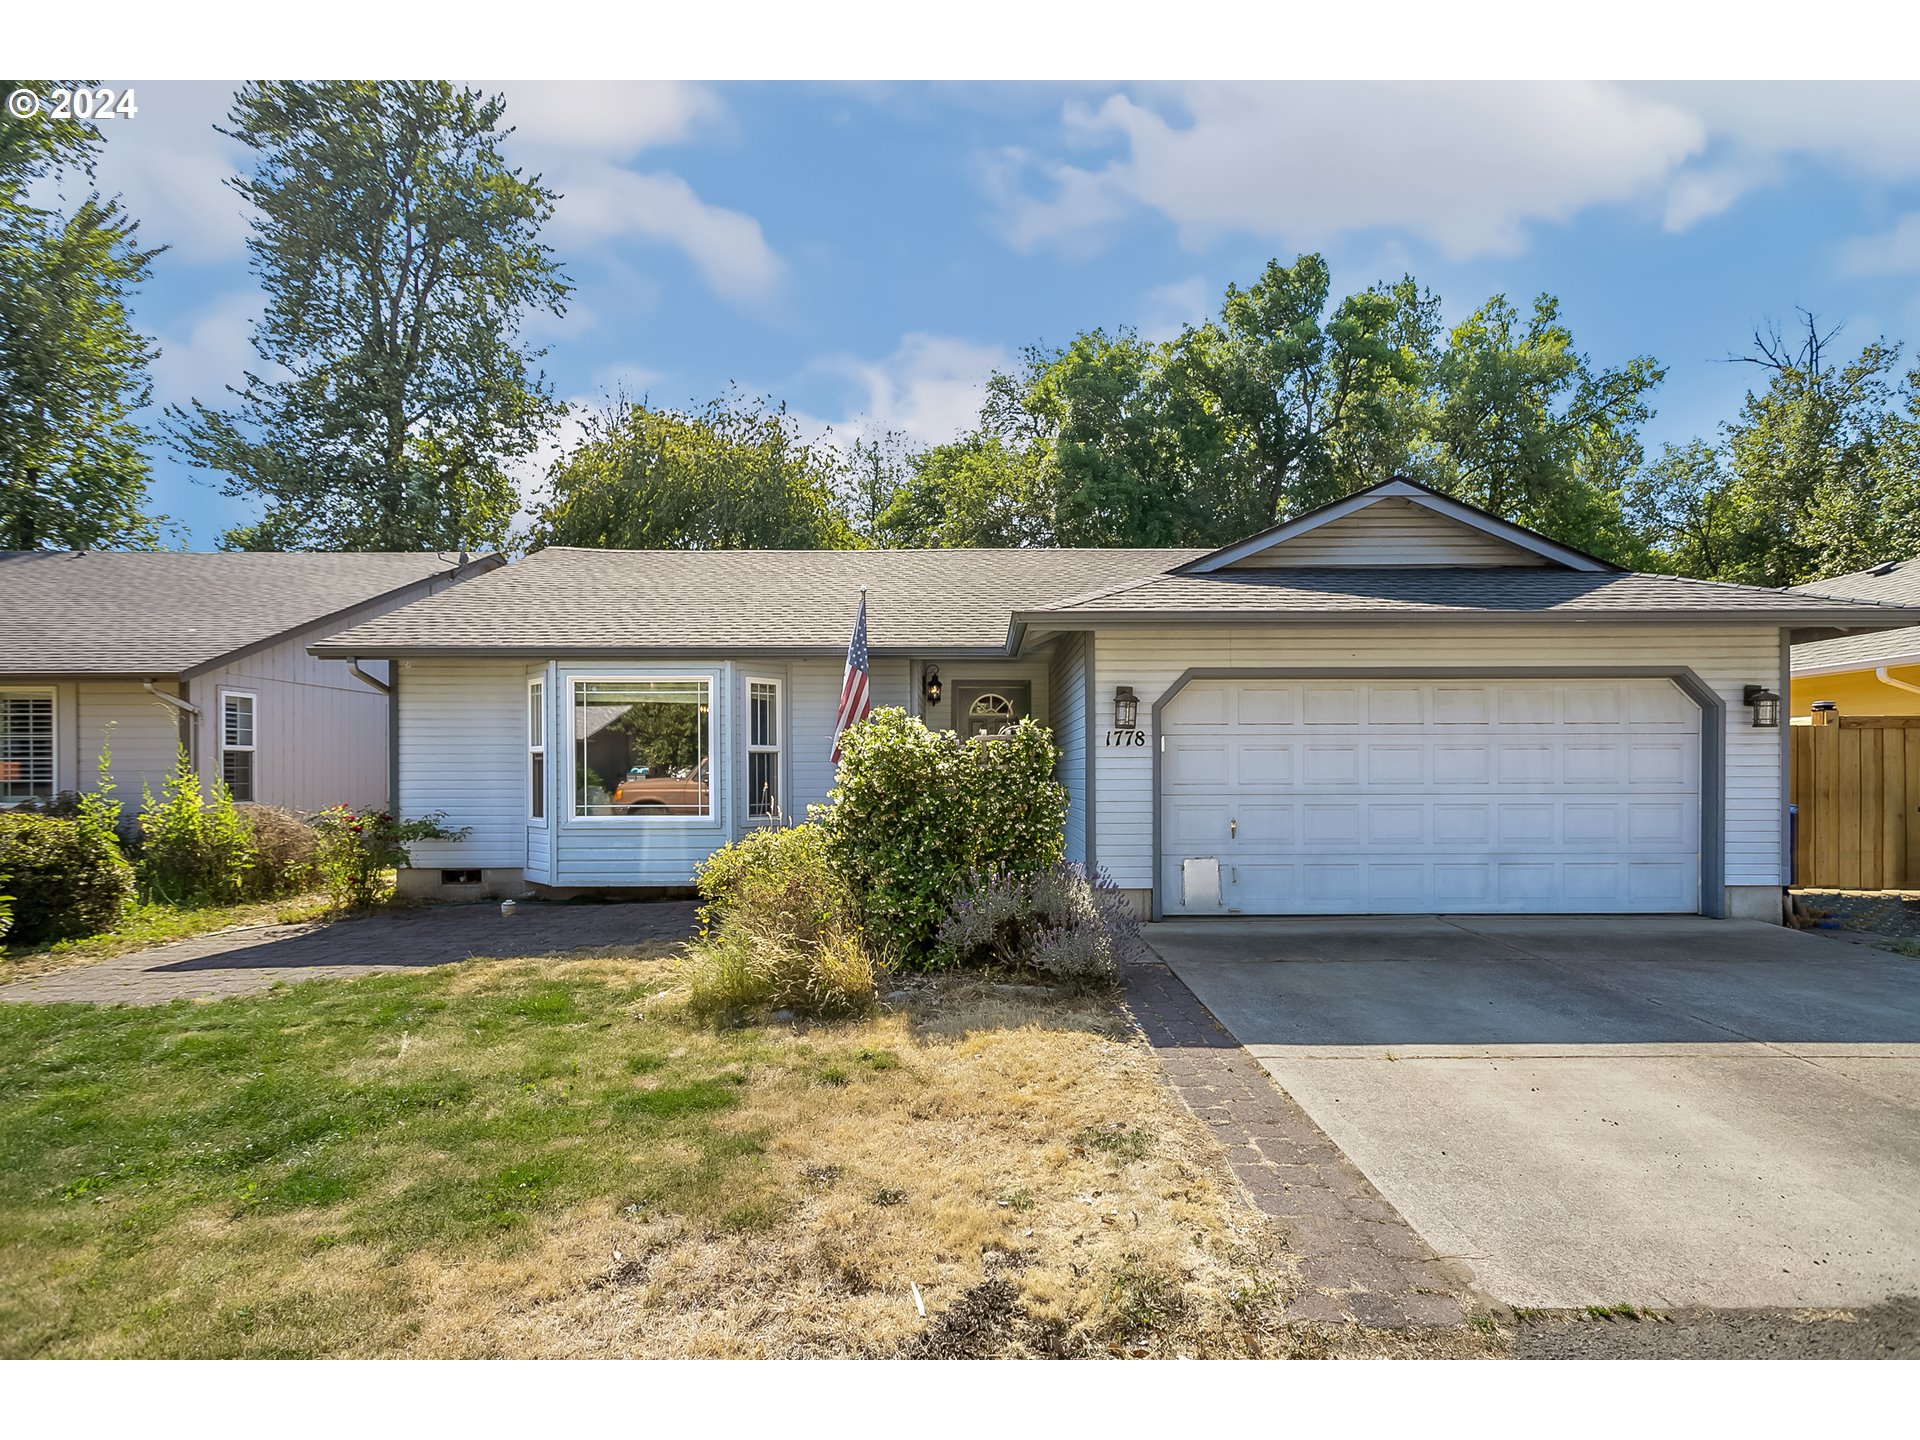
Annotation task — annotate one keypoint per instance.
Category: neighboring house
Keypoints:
(149, 651)
(1395, 704)
(1876, 674)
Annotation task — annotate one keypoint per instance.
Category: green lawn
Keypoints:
(548, 1158)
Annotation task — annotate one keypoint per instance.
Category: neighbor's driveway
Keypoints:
(244, 962)
(1657, 1111)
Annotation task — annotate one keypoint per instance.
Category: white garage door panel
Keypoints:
(1340, 797)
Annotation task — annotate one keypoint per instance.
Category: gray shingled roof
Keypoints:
(1897, 584)
(565, 601)
(161, 612)
(1439, 591)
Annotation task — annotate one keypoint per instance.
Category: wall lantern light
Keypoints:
(1126, 708)
(930, 684)
(1766, 707)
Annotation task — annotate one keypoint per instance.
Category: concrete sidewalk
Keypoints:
(1589, 1111)
(246, 962)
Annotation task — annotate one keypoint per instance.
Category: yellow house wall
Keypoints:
(1858, 692)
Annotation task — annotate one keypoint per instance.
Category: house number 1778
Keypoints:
(1119, 739)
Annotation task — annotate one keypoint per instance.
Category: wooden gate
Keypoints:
(1856, 783)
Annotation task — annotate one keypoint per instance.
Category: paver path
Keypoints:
(245, 962)
(1360, 1261)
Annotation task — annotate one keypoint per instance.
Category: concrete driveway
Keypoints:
(1661, 1111)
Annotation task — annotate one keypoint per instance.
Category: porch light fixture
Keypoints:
(1126, 708)
(930, 684)
(1766, 707)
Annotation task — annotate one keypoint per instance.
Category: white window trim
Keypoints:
(252, 749)
(544, 818)
(713, 816)
(53, 699)
(778, 748)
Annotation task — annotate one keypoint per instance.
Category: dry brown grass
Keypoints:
(964, 1164)
(1015, 1157)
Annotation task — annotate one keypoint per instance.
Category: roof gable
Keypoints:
(1397, 523)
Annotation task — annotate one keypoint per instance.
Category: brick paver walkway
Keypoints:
(1360, 1260)
(245, 962)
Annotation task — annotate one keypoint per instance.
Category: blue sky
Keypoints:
(869, 253)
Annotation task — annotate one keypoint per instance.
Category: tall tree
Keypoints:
(733, 476)
(1522, 424)
(1819, 473)
(977, 491)
(400, 256)
(73, 369)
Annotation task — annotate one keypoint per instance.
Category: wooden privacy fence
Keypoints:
(1856, 783)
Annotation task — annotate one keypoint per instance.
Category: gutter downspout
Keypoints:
(353, 668)
(1880, 674)
(174, 700)
(187, 713)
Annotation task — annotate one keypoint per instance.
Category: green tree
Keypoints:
(978, 491)
(1818, 474)
(400, 256)
(72, 367)
(1523, 425)
(733, 475)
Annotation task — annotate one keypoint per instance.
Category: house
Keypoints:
(1394, 704)
(149, 651)
(1872, 674)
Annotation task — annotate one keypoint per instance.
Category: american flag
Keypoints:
(855, 700)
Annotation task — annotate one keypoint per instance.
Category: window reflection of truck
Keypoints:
(677, 792)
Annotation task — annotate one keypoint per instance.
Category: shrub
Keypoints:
(357, 849)
(285, 851)
(6, 911)
(193, 851)
(913, 812)
(734, 973)
(66, 880)
(1058, 923)
(778, 931)
(776, 882)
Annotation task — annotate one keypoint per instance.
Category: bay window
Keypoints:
(641, 748)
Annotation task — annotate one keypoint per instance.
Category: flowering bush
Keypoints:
(359, 849)
(1058, 922)
(912, 812)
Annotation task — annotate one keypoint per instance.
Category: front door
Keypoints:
(989, 709)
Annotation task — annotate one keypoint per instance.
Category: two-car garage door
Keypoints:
(1333, 796)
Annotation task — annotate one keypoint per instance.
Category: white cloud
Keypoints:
(606, 117)
(928, 389)
(1469, 167)
(214, 354)
(583, 139)
(172, 169)
(603, 203)
(1172, 307)
(1893, 252)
